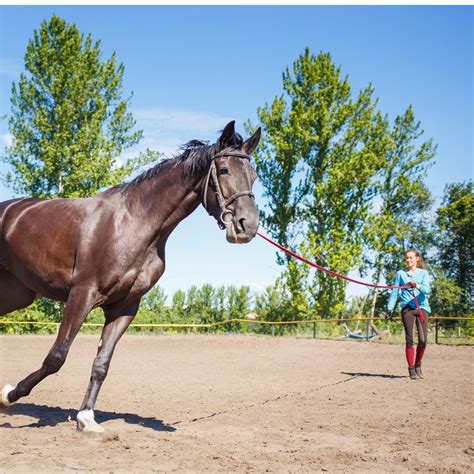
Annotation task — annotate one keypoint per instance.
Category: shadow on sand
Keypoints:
(51, 416)
(383, 376)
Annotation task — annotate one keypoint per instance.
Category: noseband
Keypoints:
(221, 199)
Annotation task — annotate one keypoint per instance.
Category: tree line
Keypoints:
(343, 184)
(208, 305)
(196, 306)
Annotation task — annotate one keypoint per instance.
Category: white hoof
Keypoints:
(86, 422)
(4, 403)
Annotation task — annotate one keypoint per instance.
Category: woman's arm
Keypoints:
(424, 286)
(392, 300)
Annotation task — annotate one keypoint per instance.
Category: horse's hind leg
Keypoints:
(116, 323)
(13, 294)
(80, 302)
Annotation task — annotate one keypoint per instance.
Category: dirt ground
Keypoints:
(242, 403)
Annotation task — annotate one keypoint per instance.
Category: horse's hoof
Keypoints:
(93, 429)
(4, 402)
(87, 424)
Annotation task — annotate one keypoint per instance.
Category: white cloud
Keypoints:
(7, 139)
(163, 146)
(179, 121)
(168, 145)
(165, 130)
(10, 68)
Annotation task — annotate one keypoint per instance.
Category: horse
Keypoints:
(108, 250)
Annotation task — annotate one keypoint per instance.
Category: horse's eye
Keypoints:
(223, 171)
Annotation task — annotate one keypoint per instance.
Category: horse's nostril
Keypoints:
(242, 226)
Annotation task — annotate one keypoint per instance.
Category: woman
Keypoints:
(417, 278)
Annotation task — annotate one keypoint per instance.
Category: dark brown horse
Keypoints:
(108, 250)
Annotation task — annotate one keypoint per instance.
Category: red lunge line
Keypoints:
(338, 275)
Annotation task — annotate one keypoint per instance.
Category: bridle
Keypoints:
(221, 199)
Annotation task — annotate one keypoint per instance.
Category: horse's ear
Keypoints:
(226, 139)
(251, 143)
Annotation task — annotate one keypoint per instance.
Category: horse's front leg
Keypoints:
(116, 323)
(81, 300)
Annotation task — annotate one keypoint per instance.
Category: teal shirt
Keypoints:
(420, 277)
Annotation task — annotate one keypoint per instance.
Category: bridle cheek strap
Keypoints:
(222, 201)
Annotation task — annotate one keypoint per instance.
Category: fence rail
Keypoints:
(273, 324)
(248, 321)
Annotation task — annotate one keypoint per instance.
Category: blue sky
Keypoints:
(194, 68)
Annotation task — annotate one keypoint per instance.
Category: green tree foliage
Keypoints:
(446, 297)
(204, 304)
(238, 305)
(238, 301)
(154, 300)
(455, 242)
(179, 306)
(402, 199)
(319, 155)
(69, 121)
(273, 304)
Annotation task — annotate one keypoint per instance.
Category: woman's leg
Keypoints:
(408, 318)
(422, 338)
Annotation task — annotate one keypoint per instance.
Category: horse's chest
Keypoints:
(149, 274)
(135, 281)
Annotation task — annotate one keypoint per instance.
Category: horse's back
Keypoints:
(33, 213)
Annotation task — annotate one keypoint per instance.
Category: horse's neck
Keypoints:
(166, 199)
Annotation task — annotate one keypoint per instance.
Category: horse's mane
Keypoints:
(195, 156)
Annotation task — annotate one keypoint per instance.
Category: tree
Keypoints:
(238, 304)
(178, 307)
(402, 198)
(455, 242)
(446, 297)
(272, 305)
(320, 152)
(69, 121)
(205, 304)
(154, 301)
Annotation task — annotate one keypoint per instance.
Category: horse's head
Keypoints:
(227, 190)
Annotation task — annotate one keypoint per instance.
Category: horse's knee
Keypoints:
(54, 361)
(100, 368)
(99, 373)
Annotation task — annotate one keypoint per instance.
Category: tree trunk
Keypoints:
(375, 294)
(60, 185)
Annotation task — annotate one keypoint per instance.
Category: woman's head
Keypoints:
(413, 258)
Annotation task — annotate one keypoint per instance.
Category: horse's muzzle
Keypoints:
(241, 231)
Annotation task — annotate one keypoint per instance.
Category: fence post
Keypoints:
(368, 326)
(436, 332)
(314, 330)
(273, 330)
